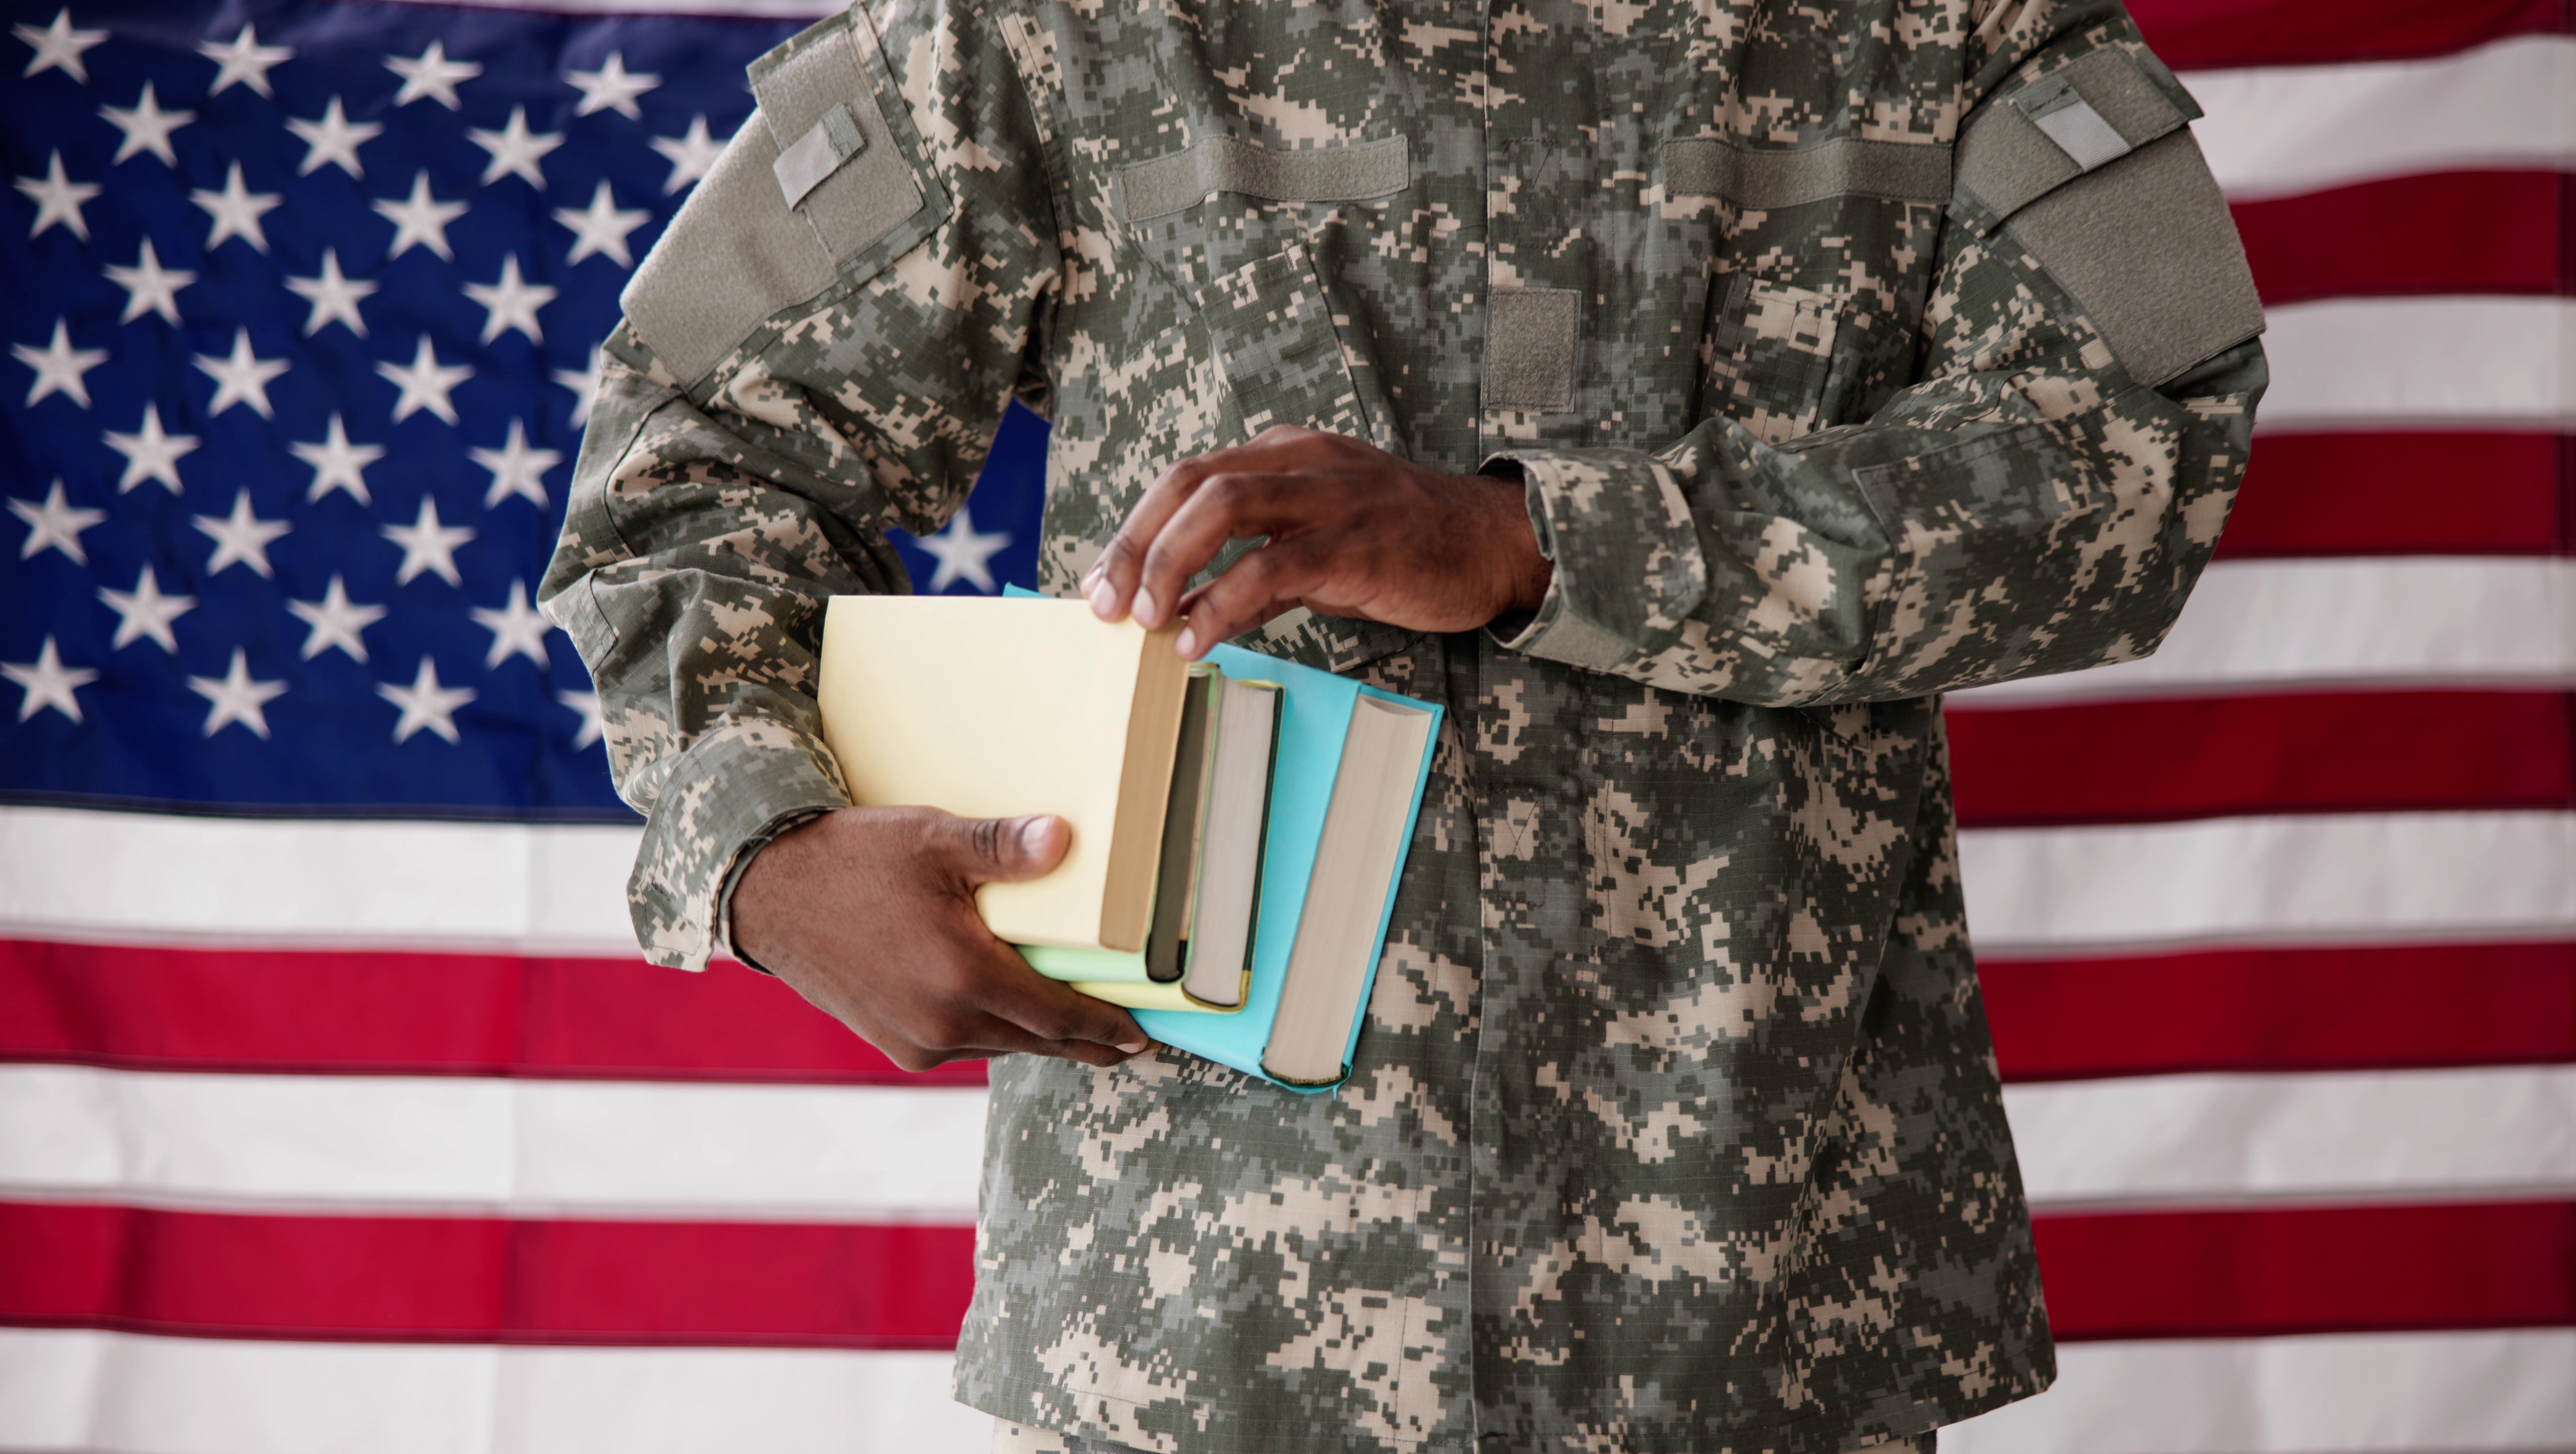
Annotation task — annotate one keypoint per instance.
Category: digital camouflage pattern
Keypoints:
(1675, 1125)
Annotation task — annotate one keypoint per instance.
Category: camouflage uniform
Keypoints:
(1851, 352)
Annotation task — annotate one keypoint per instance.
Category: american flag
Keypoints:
(337, 1112)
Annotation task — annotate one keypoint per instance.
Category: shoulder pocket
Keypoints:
(823, 186)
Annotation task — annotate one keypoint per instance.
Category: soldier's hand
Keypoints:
(1353, 531)
(870, 913)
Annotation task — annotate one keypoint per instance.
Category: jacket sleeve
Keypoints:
(820, 346)
(2041, 499)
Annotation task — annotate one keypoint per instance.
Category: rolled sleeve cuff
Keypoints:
(734, 789)
(1628, 566)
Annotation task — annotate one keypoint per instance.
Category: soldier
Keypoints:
(1687, 395)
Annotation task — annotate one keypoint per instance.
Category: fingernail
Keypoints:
(1188, 642)
(1145, 607)
(1133, 1048)
(1033, 833)
(1104, 602)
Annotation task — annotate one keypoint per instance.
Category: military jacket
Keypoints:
(1849, 352)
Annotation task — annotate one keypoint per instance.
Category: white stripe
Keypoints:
(2225, 1140)
(2274, 131)
(74, 874)
(465, 1144)
(2327, 877)
(2420, 1392)
(69, 1391)
(2420, 363)
(2460, 621)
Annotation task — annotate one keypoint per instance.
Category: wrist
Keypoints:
(1523, 571)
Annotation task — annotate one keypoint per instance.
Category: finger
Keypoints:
(1113, 579)
(1054, 1012)
(1261, 585)
(994, 1036)
(1234, 505)
(998, 850)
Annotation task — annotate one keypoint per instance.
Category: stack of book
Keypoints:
(1239, 825)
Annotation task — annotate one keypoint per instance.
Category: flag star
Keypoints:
(242, 378)
(584, 383)
(333, 623)
(55, 525)
(145, 611)
(690, 156)
(58, 48)
(425, 704)
(147, 127)
(963, 555)
(241, 538)
(244, 60)
(518, 629)
(510, 303)
(587, 704)
(234, 697)
(46, 681)
(601, 227)
(334, 298)
(235, 211)
(333, 141)
(426, 383)
(420, 220)
(428, 546)
(516, 151)
(338, 464)
(612, 88)
(149, 453)
(58, 199)
(150, 287)
(59, 366)
(516, 468)
(430, 74)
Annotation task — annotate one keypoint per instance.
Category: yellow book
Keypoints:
(992, 708)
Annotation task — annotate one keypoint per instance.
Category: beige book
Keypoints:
(992, 708)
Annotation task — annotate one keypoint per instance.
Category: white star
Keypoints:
(518, 629)
(516, 468)
(338, 464)
(334, 622)
(150, 287)
(144, 611)
(58, 48)
(333, 141)
(244, 60)
(149, 453)
(420, 220)
(601, 227)
(610, 88)
(516, 151)
(690, 156)
(428, 545)
(426, 383)
(962, 554)
(510, 303)
(430, 74)
(55, 524)
(334, 298)
(242, 378)
(426, 704)
(234, 697)
(241, 538)
(147, 127)
(46, 681)
(235, 211)
(59, 366)
(59, 199)
(587, 704)
(584, 383)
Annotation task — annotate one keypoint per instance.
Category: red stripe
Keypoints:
(2149, 761)
(423, 1014)
(2403, 494)
(465, 1279)
(2211, 34)
(2354, 1007)
(2452, 232)
(2310, 1270)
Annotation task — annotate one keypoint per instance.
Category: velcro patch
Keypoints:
(817, 154)
(2070, 121)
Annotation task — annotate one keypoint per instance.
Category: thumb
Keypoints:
(1001, 850)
